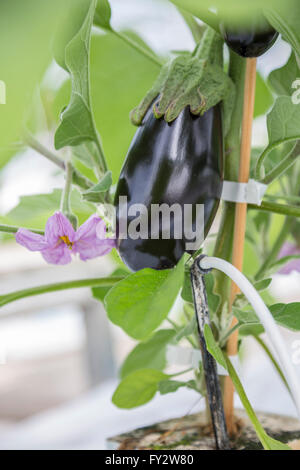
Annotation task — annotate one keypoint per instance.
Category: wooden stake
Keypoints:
(240, 226)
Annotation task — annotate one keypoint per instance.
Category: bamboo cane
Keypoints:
(240, 226)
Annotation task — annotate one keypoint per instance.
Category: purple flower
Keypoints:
(61, 240)
(289, 249)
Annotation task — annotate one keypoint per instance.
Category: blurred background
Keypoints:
(59, 356)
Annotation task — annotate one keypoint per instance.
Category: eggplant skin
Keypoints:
(179, 162)
(250, 43)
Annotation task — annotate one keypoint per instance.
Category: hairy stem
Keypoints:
(32, 291)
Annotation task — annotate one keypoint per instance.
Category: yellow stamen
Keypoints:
(66, 240)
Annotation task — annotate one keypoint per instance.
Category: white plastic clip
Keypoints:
(250, 193)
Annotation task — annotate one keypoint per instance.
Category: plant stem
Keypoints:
(78, 178)
(283, 209)
(13, 229)
(283, 166)
(273, 198)
(65, 200)
(286, 227)
(273, 360)
(177, 329)
(32, 291)
(223, 246)
(155, 60)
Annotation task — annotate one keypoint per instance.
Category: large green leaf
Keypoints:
(287, 315)
(99, 293)
(283, 121)
(285, 19)
(141, 302)
(137, 388)
(77, 125)
(227, 9)
(150, 354)
(282, 79)
(26, 33)
(33, 211)
(120, 77)
(263, 97)
(103, 14)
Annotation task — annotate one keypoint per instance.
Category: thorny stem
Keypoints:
(13, 229)
(78, 178)
(95, 282)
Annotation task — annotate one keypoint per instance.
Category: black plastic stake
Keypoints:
(214, 394)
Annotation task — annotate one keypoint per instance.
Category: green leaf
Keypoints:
(214, 349)
(75, 10)
(137, 388)
(95, 194)
(103, 14)
(141, 302)
(170, 386)
(148, 354)
(77, 124)
(283, 121)
(285, 19)
(120, 77)
(263, 284)
(287, 315)
(34, 211)
(281, 80)
(246, 316)
(213, 299)
(186, 291)
(263, 97)
(99, 293)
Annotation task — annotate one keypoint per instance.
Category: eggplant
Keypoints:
(252, 40)
(180, 162)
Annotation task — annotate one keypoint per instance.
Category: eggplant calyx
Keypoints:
(196, 80)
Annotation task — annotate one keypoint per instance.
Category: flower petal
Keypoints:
(31, 241)
(59, 254)
(92, 229)
(92, 250)
(289, 249)
(58, 226)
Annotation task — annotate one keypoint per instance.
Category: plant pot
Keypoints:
(192, 433)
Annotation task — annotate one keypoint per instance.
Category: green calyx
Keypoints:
(196, 80)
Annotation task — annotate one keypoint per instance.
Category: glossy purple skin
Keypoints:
(251, 43)
(179, 162)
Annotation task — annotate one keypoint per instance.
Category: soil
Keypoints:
(192, 433)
